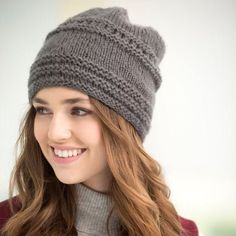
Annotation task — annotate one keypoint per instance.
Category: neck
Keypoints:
(93, 211)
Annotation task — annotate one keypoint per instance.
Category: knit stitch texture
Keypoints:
(101, 53)
(93, 211)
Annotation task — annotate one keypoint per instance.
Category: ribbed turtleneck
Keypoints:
(93, 210)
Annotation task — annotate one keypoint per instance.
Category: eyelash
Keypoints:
(39, 110)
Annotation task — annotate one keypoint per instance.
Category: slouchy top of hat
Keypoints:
(101, 53)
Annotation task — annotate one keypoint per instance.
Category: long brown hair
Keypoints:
(48, 207)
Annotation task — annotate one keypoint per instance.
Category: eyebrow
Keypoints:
(66, 101)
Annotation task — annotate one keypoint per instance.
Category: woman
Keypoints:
(82, 169)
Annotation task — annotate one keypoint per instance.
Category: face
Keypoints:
(69, 134)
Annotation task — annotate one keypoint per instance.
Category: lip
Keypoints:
(66, 160)
(60, 147)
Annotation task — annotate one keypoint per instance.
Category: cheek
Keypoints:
(40, 131)
(90, 132)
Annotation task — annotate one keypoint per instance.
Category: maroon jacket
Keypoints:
(188, 225)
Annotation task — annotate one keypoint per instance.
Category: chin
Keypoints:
(67, 180)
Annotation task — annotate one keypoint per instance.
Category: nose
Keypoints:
(59, 129)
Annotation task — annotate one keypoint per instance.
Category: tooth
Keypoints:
(65, 154)
(70, 153)
(74, 152)
(59, 153)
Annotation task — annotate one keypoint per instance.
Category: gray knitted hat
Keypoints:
(101, 53)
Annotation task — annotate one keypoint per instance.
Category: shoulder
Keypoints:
(189, 227)
(5, 212)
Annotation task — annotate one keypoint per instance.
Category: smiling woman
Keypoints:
(64, 135)
(83, 169)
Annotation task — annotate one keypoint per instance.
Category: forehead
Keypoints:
(65, 95)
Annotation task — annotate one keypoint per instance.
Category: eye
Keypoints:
(41, 110)
(80, 111)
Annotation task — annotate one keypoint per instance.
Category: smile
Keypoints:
(65, 157)
(68, 153)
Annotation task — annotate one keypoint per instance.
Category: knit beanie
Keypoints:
(101, 53)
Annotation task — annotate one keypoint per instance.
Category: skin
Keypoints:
(66, 124)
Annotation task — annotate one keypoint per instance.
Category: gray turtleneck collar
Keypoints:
(93, 210)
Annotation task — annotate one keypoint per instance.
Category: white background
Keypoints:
(193, 128)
